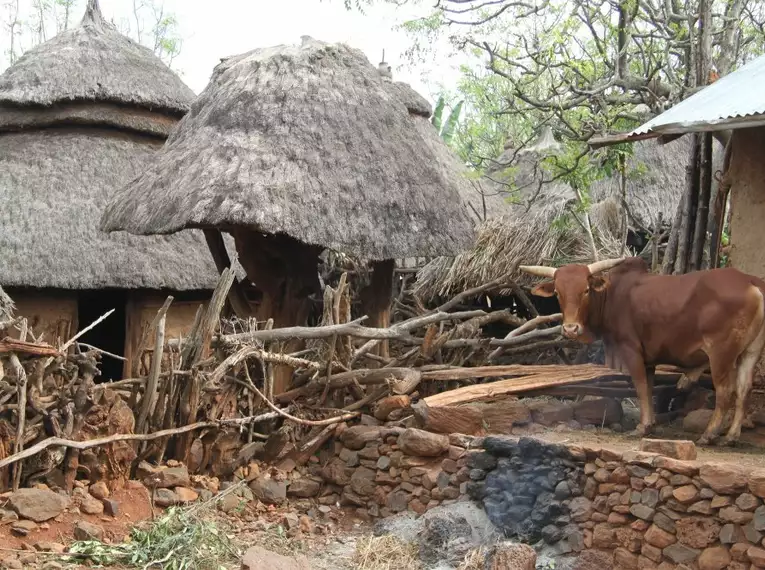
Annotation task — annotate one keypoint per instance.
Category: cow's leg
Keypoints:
(744, 380)
(723, 367)
(643, 382)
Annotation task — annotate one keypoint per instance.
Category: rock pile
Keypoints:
(381, 471)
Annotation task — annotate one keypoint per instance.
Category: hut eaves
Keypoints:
(309, 141)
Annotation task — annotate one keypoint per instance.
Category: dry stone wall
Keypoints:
(632, 510)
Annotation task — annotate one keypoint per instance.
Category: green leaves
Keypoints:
(447, 132)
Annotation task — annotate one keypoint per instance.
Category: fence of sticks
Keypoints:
(208, 399)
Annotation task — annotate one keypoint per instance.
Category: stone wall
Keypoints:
(631, 510)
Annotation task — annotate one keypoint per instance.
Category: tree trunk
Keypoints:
(705, 193)
(686, 229)
(376, 299)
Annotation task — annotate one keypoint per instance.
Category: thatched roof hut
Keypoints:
(525, 232)
(309, 141)
(297, 148)
(80, 115)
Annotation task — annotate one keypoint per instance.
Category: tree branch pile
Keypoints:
(208, 399)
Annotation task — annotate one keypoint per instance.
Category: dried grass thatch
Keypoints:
(309, 141)
(68, 140)
(525, 233)
(94, 62)
(7, 307)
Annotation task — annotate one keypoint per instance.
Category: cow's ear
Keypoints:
(544, 289)
(598, 283)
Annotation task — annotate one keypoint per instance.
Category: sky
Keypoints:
(220, 28)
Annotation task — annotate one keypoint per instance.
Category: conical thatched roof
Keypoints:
(94, 62)
(309, 141)
(525, 233)
(68, 139)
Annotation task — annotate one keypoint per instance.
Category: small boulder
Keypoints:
(99, 490)
(305, 488)
(598, 411)
(724, 478)
(169, 478)
(678, 449)
(91, 506)
(423, 443)
(23, 528)
(38, 505)
(165, 498)
(84, 530)
(270, 491)
(357, 437)
(186, 495)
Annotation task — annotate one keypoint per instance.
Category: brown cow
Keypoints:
(715, 316)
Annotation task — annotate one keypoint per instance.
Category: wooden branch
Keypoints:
(87, 444)
(236, 295)
(502, 342)
(9, 345)
(527, 326)
(21, 387)
(91, 326)
(149, 400)
(499, 283)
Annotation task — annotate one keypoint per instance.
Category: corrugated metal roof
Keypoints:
(736, 96)
(736, 100)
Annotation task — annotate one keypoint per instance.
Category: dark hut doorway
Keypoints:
(109, 334)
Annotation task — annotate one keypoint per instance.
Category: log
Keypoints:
(9, 345)
(473, 419)
(236, 295)
(390, 404)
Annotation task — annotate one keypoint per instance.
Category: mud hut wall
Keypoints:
(141, 309)
(747, 176)
(52, 314)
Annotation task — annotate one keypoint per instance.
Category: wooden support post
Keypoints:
(285, 270)
(376, 300)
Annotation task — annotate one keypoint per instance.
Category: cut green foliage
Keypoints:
(446, 129)
(178, 540)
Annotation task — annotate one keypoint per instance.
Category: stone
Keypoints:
(186, 495)
(697, 532)
(625, 559)
(111, 507)
(91, 506)
(649, 497)
(38, 505)
(305, 488)
(270, 491)
(738, 551)
(603, 536)
(481, 460)
(54, 547)
(735, 515)
(23, 527)
(720, 501)
(164, 498)
(369, 451)
(664, 522)
(731, 533)
(363, 481)
(350, 457)
(747, 502)
(714, 558)
(756, 556)
(724, 478)
(258, 558)
(580, 509)
(686, 494)
(357, 437)
(759, 518)
(562, 491)
(99, 490)
(168, 478)
(751, 534)
(701, 508)
(548, 413)
(685, 450)
(680, 554)
(337, 472)
(513, 556)
(397, 501)
(696, 421)
(642, 511)
(383, 462)
(599, 411)
(84, 530)
(756, 483)
(423, 443)
(7, 516)
(658, 537)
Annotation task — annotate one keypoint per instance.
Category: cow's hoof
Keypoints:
(643, 430)
(728, 441)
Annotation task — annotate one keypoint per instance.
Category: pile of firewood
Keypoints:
(208, 399)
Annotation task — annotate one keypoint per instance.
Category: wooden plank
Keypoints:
(588, 371)
(9, 344)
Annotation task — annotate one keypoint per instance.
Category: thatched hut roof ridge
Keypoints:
(94, 62)
(309, 141)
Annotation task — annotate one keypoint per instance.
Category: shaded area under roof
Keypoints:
(312, 142)
(736, 100)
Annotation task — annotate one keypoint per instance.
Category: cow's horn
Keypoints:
(599, 266)
(539, 270)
